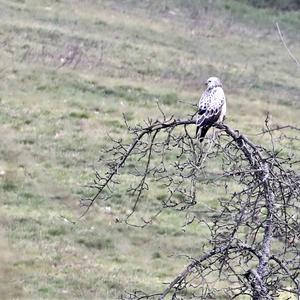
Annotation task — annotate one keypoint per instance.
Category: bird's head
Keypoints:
(212, 82)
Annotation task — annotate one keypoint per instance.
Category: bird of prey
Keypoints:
(212, 107)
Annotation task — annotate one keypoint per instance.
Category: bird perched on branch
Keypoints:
(212, 107)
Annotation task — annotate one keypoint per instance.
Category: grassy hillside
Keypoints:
(69, 70)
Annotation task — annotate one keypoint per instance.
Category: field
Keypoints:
(69, 71)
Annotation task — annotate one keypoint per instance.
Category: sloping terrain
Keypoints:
(69, 71)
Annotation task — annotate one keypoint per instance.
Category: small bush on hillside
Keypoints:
(276, 4)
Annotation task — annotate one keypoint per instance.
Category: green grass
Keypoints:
(54, 120)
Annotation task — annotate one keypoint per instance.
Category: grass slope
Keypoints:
(69, 70)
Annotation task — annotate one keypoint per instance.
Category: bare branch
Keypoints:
(286, 47)
(259, 209)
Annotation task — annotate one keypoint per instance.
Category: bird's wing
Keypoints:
(210, 107)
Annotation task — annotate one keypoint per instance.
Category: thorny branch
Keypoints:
(253, 247)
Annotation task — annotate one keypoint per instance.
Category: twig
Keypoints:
(286, 47)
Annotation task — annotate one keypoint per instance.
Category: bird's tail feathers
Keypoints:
(201, 132)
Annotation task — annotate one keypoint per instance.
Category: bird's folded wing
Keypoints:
(208, 117)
